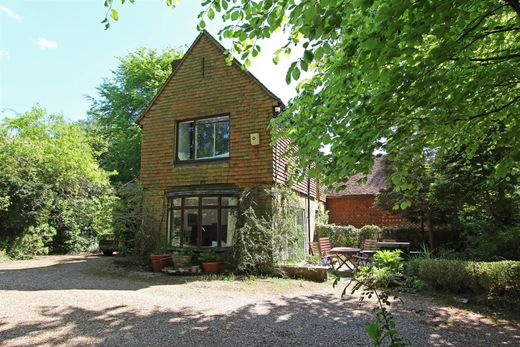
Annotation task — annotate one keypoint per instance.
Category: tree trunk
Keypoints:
(429, 227)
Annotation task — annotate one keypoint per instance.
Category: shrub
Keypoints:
(493, 243)
(410, 234)
(208, 256)
(34, 241)
(458, 276)
(369, 232)
(128, 216)
(339, 235)
(263, 240)
(53, 195)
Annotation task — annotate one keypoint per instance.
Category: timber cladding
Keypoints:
(204, 85)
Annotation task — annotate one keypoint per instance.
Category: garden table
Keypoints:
(345, 255)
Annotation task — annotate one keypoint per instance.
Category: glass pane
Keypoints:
(185, 141)
(191, 201)
(205, 133)
(229, 201)
(228, 224)
(175, 202)
(209, 228)
(210, 201)
(175, 228)
(191, 222)
(222, 137)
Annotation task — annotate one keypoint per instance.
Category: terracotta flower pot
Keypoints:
(211, 267)
(159, 261)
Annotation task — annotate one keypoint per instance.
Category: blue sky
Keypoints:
(56, 52)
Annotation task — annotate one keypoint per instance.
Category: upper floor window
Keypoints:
(206, 138)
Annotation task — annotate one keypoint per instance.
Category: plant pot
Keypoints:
(159, 261)
(210, 267)
(181, 261)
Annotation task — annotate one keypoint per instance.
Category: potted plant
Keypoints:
(209, 261)
(181, 256)
(160, 257)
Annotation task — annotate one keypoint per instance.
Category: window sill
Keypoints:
(201, 161)
(197, 250)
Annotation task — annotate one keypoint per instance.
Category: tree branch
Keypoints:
(502, 57)
(479, 21)
(498, 109)
(489, 32)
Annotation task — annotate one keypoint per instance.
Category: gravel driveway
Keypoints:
(86, 300)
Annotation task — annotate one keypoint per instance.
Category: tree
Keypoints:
(458, 197)
(55, 196)
(395, 76)
(121, 100)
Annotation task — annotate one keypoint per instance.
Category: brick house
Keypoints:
(354, 205)
(206, 140)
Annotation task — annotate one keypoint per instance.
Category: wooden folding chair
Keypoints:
(324, 250)
(368, 251)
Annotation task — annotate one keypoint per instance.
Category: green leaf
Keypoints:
(296, 73)
(308, 56)
(373, 331)
(211, 13)
(114, 14)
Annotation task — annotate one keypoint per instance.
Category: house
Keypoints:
(205, 141)
(354, 205)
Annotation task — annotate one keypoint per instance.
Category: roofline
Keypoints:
(235, 61)
(350, 195)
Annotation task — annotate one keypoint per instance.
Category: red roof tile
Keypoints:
(374, 183)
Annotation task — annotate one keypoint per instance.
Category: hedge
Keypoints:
(339, 235)
(459, 276)
(411, 234)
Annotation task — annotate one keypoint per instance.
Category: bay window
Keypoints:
(202, 221)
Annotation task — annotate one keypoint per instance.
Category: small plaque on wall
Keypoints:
(255, 139)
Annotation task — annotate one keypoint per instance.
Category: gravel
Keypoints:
(86, 300)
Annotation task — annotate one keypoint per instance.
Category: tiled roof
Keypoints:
(374, 183)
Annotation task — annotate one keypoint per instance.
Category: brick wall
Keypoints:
(359, 211)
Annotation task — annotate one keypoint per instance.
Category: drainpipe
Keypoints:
(309, 208)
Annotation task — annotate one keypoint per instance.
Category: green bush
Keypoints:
(339, 235)
(414, 235)
(369, 232)
(34, 241)
(264, 240)
(459, 276)
(493, 243)
(53, 195)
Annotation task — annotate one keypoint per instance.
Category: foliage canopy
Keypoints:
(53, 194)
(393, 76)
(121, 100)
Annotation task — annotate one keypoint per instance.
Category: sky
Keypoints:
(55, 52)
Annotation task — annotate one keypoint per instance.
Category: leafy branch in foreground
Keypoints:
(374, 281)
(394, 76)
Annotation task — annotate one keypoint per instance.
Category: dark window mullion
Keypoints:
(192, 141)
